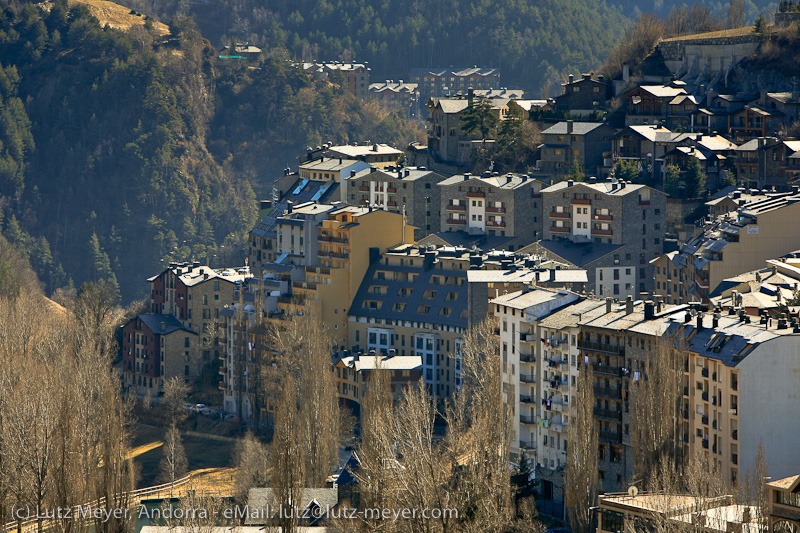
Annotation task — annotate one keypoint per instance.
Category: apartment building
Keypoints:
(413, 301)
(584, 96)
(353, 372)
(353, 77)
(155, 349)
(326, 277)
(569, 143)
(410, 190)
(731, 245)
(440, 82)
(650, 104)
(767, 162)
(195, 294)
(766, 290)
(608, 227)
(331, 168)
(397, 96)
(447, 142)
(494, 205)
(647, 145)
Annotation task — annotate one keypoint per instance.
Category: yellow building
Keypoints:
(352, 374)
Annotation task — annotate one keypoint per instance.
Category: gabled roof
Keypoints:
(661, 91)
(578, 128)
(163, 324)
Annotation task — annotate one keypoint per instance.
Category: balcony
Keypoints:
(705, 396)
(391, 203)
(528, 419)
(456, 208)
(613, 436)
(527, 357)
(735, 458)
(223, 370)
(527, 337)
(536, 195)
(735, 434)
(495, 224)
(525, 399)
(607, 370)
(456, 222)
(476, 195)
(221, 385)
(601, 347)
(330, 238)
(714, 376)
(304, 285)
(363, 188)
(704, 420)
(705, 444)
(391, 190)
(608, 413)
(603, 217)
(563, 229)
(495, 209)
(686, 414)
(602, 231)
(704, 372)
(686, 391)
(644, 202)
(525, 378)
(527, 445)
(333, 255)
(556, 214)
(608, 392)
(578, 201)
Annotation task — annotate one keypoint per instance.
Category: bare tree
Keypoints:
(737, 13)
(252, 461)
(174, 464)
(174, 400)
(657, 400)
(288, 457)
(581, 475)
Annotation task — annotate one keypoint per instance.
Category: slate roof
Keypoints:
(603, 186)
(578, 128)
(457, 316)
(154, 323)
(579, 254)
(528, 298)
(570, 315)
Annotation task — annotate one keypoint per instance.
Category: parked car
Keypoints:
(199, 407)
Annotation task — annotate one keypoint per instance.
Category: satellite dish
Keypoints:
(633, 491)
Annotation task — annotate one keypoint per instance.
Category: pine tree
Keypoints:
(673, 180)
(479, 118)
(695, 179)
(576, 172)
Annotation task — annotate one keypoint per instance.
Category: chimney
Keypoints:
(649, 310)
(428, 260)
(374, 147)
(569, 127)
(587, 76)
(592, 180)
(289, 207)
(467, 176)
(608, 305)
(687, 316)
(715, 321)
(163, 326)
(746, 514)
(508, 178)
(570, 183)
(699, 321)
(265, 204)
(352, 173)
(600, 78)
(470, 96)
(571, 78)
(629, 305)
(659, 303)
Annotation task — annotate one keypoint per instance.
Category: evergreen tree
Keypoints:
(760, 26)
(479, 118)
(695, 179)
(627, 170)
(673, 180)
(523, 477)
(576, 172)
(17, 237)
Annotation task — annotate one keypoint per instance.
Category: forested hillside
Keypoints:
(107, 163)
(530, 41)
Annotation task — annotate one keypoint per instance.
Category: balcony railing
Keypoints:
(455, 221)
(525, 399)
(476, 195)
(562, 214)
(705, 444)
(704, 372)
(614, 436)
(563, 229)
(608, 370)
(527, 378)
(735, 458)
(596, 231)
(221, 385)
(527, 337)
(456, 208)
(608, 392)
(603, 217)
(495, 209)
(735, 434)
(705, 396)
(527, 357)
(331, 238)
(527, 445)
(578, 201)
(608, 413)
(495, 224)
(527, 419)
(613, 349)
(704, 420)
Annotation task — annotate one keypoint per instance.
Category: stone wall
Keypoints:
(784, 20)
(712, 54)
